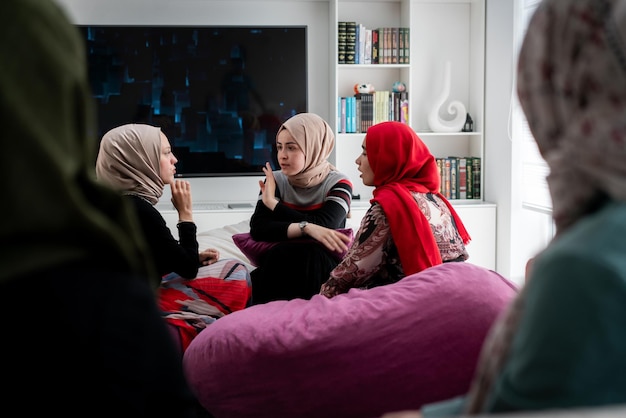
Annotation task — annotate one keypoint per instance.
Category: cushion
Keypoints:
(359, 354)
(221, 239)
(253, 249)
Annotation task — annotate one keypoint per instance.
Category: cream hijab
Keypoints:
(316, 139)
(572, 87)
(54, 212)
(129, 161)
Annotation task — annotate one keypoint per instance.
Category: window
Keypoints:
(535, 193)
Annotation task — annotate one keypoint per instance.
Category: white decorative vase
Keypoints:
(455, 109)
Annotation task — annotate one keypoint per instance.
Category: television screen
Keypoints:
(218, 93)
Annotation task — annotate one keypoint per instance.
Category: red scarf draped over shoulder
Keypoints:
(402, 163)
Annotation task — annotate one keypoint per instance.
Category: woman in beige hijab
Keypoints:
(82, 334)
(137, 160)
(306, 198)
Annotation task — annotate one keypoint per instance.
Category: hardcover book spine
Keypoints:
(454, 178)
(386, 46)
(341, 43)
(376, 46)
(366, 110)
(350, 42)
(470, 178)
(462, 177)
(395, 44)
(476, 172)
(440, 170)
(407, 45)
(446, 174)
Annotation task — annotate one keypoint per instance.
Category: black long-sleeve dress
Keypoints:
(295, 269)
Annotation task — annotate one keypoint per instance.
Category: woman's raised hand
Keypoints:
(181, 199)
(268, 187)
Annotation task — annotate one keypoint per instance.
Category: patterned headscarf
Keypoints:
(55, 212)
(572, 87)
(129, 161)
(402, 163)
(316, 139)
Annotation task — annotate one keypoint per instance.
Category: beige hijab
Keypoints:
(316, 139)
(572, 87)
(129, 161)
(54, 212)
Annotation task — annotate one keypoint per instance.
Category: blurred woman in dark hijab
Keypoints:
(82, 332)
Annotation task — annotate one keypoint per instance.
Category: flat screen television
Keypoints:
(218, 92)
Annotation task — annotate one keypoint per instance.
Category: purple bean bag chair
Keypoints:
(358, 355)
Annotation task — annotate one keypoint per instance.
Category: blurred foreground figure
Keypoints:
(82, 332)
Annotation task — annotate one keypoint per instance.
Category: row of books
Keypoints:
(357, 44)
(460, 177)
(355, 114)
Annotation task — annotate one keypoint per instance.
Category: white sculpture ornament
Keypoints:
(455, 108)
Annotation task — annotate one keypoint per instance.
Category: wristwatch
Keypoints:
(303, 225)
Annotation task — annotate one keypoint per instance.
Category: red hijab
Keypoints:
(402, 163)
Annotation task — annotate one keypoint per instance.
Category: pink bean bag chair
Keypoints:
(358, 355)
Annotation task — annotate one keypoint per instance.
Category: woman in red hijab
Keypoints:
(410, 225)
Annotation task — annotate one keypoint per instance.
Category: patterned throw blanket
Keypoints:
(192, 305)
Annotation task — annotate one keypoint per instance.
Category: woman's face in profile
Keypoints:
(167, 161)
(367, 175)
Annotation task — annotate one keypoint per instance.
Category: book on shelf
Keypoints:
(404, 107)
(446, 178)
(476, 168)
(385, 41)
(395, 44)
(459, 176)
(470, 179)
(342, 121)
(341, 42)
(350, 42)
(367, 47)
(356, 44)
(361, 41)
(367, 110)
(454, 177)
(462, 189)
(376, 46)
(351, 102)
(381, 106)
(404, 45)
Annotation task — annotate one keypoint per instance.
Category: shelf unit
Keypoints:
(441, 31)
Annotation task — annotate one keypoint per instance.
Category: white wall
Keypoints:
(314, 14)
